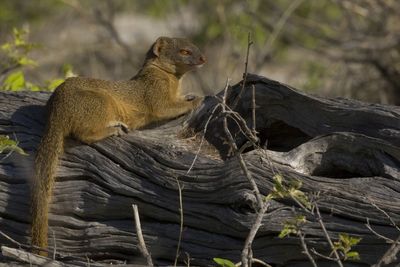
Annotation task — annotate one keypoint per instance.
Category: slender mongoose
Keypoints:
(92, 109)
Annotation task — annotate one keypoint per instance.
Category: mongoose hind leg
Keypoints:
(114, 128)
(120, 127)
(99, 121)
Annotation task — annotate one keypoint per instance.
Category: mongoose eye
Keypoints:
(185, 52)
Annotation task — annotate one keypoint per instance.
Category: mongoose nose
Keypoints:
(202, 59)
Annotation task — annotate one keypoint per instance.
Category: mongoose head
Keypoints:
(175, 55)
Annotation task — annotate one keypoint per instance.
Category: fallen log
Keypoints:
(346, 150)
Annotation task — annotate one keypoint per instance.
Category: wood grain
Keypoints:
(344, 149)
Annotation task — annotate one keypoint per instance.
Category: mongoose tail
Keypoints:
(46, 163)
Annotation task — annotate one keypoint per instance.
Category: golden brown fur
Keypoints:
(91, 109)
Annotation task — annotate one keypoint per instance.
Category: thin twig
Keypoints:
(20, 245)
(305, 248)
(235, 149)
(328, 238)
(253, 108)
(181, 222)
(388, 240)
(142, 244)
(187, 259)
(246, 63)
(281, 23)
(104, 20)
(108, 24)
(241, 123)
(21, 255)
(55, 245)
(202, 138)
(36, 248)
(390, 254)
(254, 260)
(322, 255)
(277, 29)
(262, 207)
(251, 180)
(246, 258)
(385, 213)
(7, 155)
(12, 240)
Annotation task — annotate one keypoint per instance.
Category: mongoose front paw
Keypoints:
(120, 127)
(124, 127)
(190, 97)
(197, 101)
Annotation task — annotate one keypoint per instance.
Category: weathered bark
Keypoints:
(344, 149)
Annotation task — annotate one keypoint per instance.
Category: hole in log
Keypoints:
(334, 171)
(279, 136)
(340, 163)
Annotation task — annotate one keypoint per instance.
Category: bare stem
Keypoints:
(142, 244)
(305, 248)
(388, 240)
(322, 255)
(390, 254)
(181, 222)
(253, 109)
(202, 138)
(12, 240)
(55, 245)
(235, 150)
(328, 238)
(384, 213)
(262, 207)
(246, 63)
(246, 258)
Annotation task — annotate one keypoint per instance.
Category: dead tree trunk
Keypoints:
(346, 150)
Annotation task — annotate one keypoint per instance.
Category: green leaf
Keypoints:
(224, 262)
(8, 145)
(345, 244)
(287, 230)
(278, 178)
(354, 240)
(23, 61)
(33, 87)
(348, 240)
(14, 81)
(6, 47)
(292, 226)
(301, 197)
(300, 219)
(352, 255)
(68, 70)
(53, 84)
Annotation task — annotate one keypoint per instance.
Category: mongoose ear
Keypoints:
(159, 44)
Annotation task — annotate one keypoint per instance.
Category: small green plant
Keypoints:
(8, 145)
(15, 52)
(292, 226)
(341, 249)
(345, 244)
(224, 262)
(14, 56)
(283, 189)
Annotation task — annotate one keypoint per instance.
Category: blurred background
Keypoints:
(348, 48)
